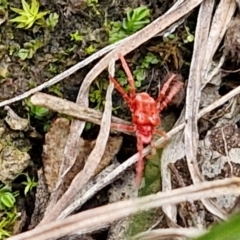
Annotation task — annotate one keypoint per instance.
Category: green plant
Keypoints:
(3, 232)
(93, 4)
(4, 4)
(90, 49)
(36, 111)
(97, 93)
(190, 37)
(7, 197)
(56, 89)
(29, 184)
(52, 20)
(52, 68)
(228, 229)
(31, 83)
(7, 222)
(76, 36)
(29, 15)
(8, 211)
(30, 48)
(136, 19)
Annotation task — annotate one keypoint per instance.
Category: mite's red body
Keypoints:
(145, 112)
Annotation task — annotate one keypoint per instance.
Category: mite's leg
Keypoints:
(127, 99)
(140, 163)
(129, 75)
(121, 127)
(165, 98)
(173, 91)
(164, 89)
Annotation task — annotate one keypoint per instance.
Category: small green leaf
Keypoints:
(26, 7)
(19, 11)
(226, 230)
(7, 199)
(34, 7)
(190, 38)
(142, 12)
(171, 36)
(23, 53)
(22, 19)
(29, 15)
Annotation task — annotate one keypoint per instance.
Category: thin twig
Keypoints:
(72, 109)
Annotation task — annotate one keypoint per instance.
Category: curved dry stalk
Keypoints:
(90, 166)
(205, 46)
(99, 217)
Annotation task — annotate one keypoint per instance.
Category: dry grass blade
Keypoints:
(219, 25)
(93, 187)
(96, 218)
(90, 166)
(202, 59)
(175, 150)
(169, 233)
(194, 87)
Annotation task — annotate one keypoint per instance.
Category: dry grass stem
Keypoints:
(92, 187)
(201, 60)
(96, 218)
(90, 166)
(169, 233)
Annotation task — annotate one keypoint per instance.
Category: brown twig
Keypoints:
(72, 109)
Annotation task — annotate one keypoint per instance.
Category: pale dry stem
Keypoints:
(96, 218)
(170, 233)
(90, 166)
(208, 36)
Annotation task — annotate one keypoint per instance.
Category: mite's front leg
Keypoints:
(140, 163)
